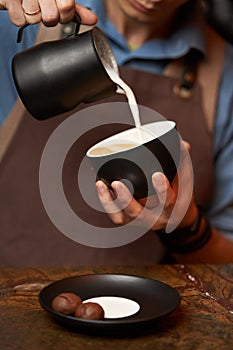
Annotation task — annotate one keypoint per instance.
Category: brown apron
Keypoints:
(29, 238)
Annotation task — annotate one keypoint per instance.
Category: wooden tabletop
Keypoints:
(203, 320)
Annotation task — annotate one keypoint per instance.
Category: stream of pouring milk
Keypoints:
(115, 77)
(130, 96)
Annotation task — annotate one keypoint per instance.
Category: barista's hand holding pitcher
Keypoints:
(122, 208)
(50, 12)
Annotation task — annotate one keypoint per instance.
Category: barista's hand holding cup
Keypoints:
(132, 156)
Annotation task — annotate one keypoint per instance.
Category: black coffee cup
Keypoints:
(132, 156)
(54, 77)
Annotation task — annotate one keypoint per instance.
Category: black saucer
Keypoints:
(156, 299)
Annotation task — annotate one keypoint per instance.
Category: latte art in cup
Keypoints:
(113, 148)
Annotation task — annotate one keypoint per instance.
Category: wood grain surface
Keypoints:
(203, 320)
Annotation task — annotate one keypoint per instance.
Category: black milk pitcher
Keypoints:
(54, 77)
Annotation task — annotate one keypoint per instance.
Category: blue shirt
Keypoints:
(152, 56)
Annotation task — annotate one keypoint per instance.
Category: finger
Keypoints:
(15, 12)
(186, 145)
(109, 203)
(63, 11)
(185, 171)
(183, 187)
(164, 191)
(131, 207)
(32, 11)
(184, 153)
(134, 211)
(87, 16)
(49, 12)
(66, 9)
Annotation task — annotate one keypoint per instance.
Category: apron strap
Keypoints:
(184, 86)
(208, 75)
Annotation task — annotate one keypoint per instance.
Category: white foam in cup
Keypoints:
(131, 138)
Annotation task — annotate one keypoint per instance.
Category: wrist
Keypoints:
(191, 217)
(188, 239)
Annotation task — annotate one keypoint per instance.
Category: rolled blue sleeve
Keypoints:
(9, 47)
(221, 208)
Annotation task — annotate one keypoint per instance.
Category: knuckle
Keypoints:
(50, 19)
(19, 22)
(66, 7)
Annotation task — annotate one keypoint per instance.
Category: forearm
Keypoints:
(198, 242)
(217, 249)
